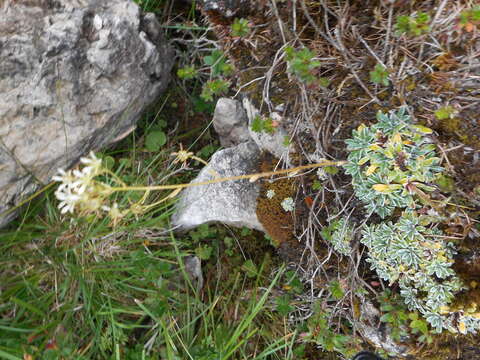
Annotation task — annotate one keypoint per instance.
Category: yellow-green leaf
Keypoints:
(389, 153)
(386, 188)
(422, 129)
(363, 160)
(371, 169)
(375, 147)
(397, 138)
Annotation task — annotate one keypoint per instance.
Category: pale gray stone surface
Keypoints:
(230, 202)
(272, 143)
(380, 337)
(193, 267)
(75, 75)
(230, 122)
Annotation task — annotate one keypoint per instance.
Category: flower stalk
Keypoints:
(80, 190)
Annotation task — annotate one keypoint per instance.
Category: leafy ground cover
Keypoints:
(81, 288)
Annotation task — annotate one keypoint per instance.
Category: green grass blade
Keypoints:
(7, 356)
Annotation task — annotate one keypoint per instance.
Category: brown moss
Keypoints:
(277, 222)
(450, 125)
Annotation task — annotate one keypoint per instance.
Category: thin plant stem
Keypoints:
(252, 177)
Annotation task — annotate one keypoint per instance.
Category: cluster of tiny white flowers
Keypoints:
(270, 193)
(288, 204)
(321, 174)
(76, 185)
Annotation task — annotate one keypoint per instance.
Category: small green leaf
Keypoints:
(446, 183)
(293, 281)
(379, 75)
(187, 73)
(332, 170)
(283, 305)
(228, 241)
(246, 231)
(209, 60)
(413, 24)
(336, 290)
(250, 269)
(317, 185)
(323, 81)
(207, 151)
(326, 232)
(108, 162)
(226, 69)
(413, 316)
(162, 123)
(214, 88)
(204, 252)
(445, 112)
(268, 126)
(202, 106)
(240, 27)
(286, 141)
(388, 318)
(155, 140)
(257, 124)
(125, 162)
(217, 62)
(422, 129)
(387, 307)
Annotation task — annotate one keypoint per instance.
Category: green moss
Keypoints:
(450, 125)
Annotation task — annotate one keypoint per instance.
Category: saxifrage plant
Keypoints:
(391, 163)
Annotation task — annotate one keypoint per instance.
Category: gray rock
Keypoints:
(193, 267)
(226, 8)
(369, 329)
(75, 75)
(230, 122)
(272, 143)
(230, 202)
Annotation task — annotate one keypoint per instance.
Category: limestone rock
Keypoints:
(230, 202)
(272, 143)
(75, 75)
(380, 337)
(230, 122)
(193, 267)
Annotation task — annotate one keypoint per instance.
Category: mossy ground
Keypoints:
(274, 218)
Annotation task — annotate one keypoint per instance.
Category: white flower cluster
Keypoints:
(76, 186)
(288, 204)
(270, 194)
(322, 174)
